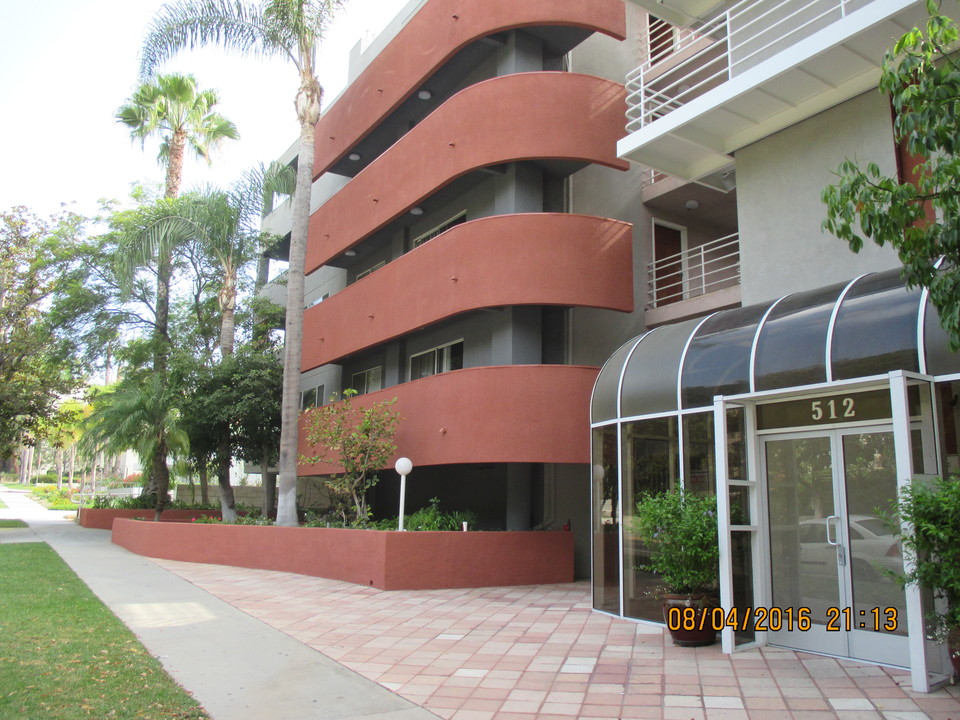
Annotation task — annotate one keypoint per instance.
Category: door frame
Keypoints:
(875, 647)
(929, 665)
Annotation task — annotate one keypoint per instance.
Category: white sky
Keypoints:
(67, 65)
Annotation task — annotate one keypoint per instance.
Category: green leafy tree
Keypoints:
(174, 108)
(920, 216)
(286, 28)
(34, 254)
(358, 439)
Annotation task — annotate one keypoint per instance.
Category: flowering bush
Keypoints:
(680, 530)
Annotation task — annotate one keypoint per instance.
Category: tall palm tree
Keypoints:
(293, 29)
(173, 107)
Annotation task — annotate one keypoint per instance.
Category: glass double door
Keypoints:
(829, 546)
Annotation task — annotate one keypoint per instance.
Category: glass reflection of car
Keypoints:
(874, 547)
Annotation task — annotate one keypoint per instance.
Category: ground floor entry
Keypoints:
(830, 545)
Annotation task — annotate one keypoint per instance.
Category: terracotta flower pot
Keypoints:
(688, 619)
(953, 648)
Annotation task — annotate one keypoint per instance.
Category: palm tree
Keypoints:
(224, 226)
(290, 28)
(173, 107)
(140, 414)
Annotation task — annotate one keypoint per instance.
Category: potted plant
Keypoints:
(932, 516)
(679, 529)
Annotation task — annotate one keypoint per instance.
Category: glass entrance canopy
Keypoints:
(863, 328)
(711, 403)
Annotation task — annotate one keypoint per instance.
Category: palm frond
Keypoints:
(190, 24)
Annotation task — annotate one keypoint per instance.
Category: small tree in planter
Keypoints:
(932, 512)
(679, 528)
(358, 439)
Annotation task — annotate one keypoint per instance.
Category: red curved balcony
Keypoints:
(523, 259)
(497, 414)
(434, 35)
(506, 119)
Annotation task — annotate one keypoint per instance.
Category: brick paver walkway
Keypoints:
(541, 653)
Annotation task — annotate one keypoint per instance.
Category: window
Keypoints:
(311, 398)
(367, 381)
(363, 274)
(443, 227)
(439, 360)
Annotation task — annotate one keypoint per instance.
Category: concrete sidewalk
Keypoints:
(237, 667)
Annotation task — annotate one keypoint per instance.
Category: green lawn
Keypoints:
(13, 524)
(3, 505)
(65, 656)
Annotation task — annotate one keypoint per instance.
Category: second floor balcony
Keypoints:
(697, 280)
(757, 67)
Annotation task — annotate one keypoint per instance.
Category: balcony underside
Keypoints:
(527, 116)
(502, 414)
(522, 259)
(431, 38)
(823, 70)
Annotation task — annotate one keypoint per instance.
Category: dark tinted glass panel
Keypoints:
(940, 361)
(650, 382)
(876, 328)
(651, 463)
(736, 444)
(718, 361)
(606, 529)
(699, 454)
(791, 349)
(605, 391)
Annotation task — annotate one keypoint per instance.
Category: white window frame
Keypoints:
(364, 273)
(438, 363)
(367, 374)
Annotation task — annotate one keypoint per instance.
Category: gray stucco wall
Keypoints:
(779, 181)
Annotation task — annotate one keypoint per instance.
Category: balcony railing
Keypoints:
(746, 34)
(698, 271)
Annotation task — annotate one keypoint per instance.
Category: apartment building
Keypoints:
(511, 195)
(800, 383)
(452, 238)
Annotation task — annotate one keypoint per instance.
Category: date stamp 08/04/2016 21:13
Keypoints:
(775, 619)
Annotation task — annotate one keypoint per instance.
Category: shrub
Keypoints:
(680, 529)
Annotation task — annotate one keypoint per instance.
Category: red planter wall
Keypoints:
(102, 519)
(522, 259)
(384, 560)
(431, 37)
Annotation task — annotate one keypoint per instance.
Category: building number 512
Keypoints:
(831, 410)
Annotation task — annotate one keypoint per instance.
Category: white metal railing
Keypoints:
(698, 271)
(704, 57)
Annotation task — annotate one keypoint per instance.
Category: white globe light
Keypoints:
(403, 466)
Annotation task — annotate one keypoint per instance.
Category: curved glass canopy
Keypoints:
(869, 326)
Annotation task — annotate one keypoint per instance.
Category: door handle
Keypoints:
(830, 521)
(841, 550)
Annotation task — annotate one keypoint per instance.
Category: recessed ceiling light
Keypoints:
(354, 156)
(691, 204)
(351, 253)
(424, 94)
(416, 210)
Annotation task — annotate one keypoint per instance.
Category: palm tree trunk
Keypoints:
(162, 474)
(228, 504)
(228, 307)
(269, 482)
(175, 164)
(293, 336)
